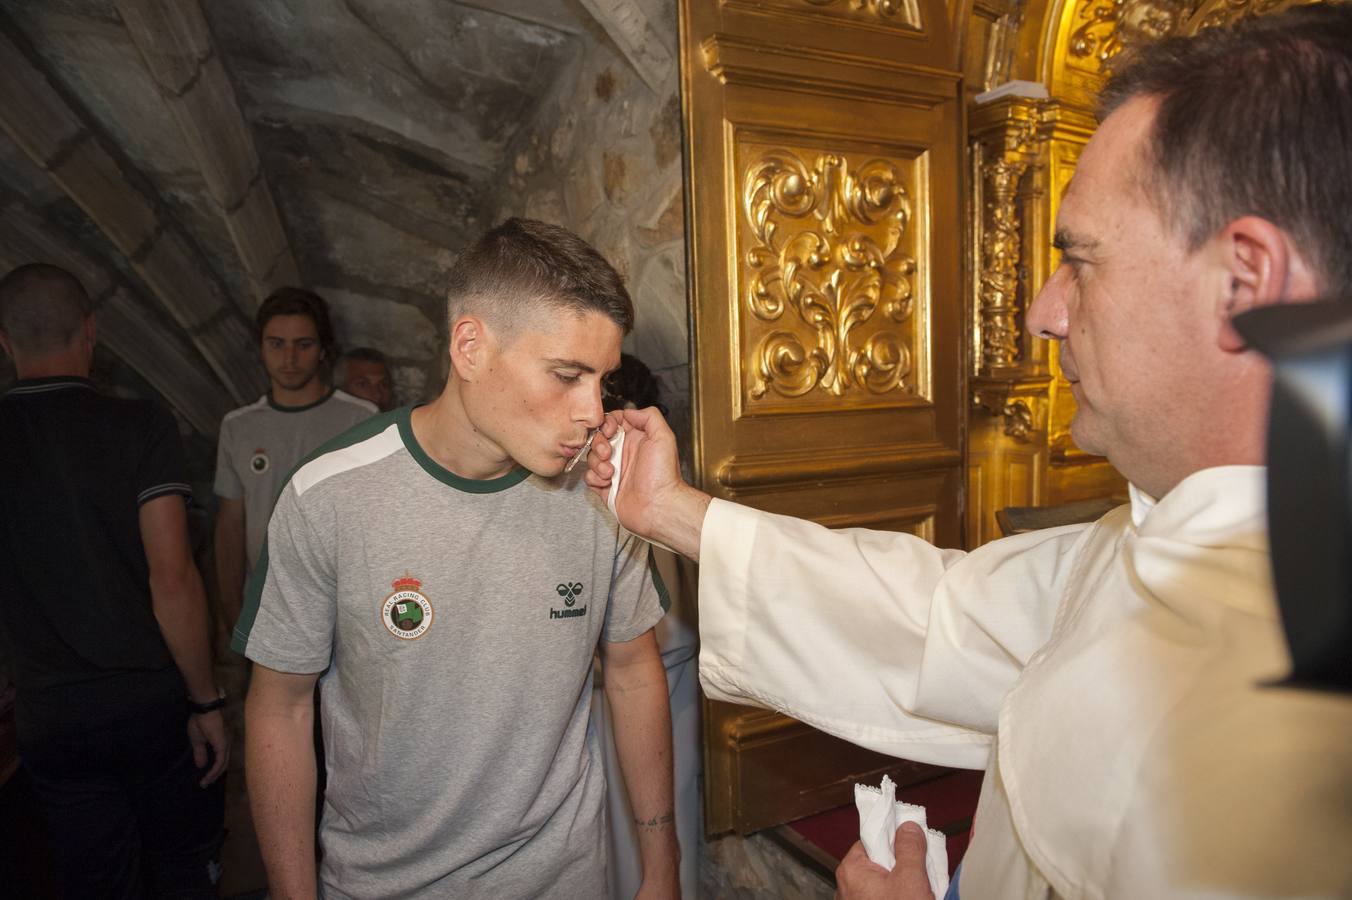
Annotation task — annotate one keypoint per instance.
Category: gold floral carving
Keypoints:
(1226, 11)
(1107, 27)
(886, 10)
(1018, 418)
(829, 276)
(1001, 264)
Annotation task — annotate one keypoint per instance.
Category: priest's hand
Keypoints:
(652, 499)
(859, 878)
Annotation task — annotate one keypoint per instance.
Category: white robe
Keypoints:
(1106, 676)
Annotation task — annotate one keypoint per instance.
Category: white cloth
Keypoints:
(881, 814)
(1118, 663)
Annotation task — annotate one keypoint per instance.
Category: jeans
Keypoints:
(952, 892)
(125, 815)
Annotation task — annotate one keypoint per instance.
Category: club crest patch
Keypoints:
(259, 462)
(407, 612)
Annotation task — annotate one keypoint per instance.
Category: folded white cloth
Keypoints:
(881, 814)
(616, 459)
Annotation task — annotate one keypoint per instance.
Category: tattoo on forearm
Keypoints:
(655, 822)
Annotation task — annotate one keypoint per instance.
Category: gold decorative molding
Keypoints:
(906, 11)
(1223, 12)
(771, 470)
(1001, 156)
(824, 72)
(1107, 27)
(828, 276)
(1018, 419)
(1020, 405)
(891, 15)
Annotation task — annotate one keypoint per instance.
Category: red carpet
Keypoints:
(949, 801)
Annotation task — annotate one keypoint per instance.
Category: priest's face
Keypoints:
(1128, 305)
(536, 391)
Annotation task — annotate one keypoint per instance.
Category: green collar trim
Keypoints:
(446, 476)
(297, 409)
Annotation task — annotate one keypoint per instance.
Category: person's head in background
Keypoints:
(46, 322)
(535, 317)
(363, 372)
(632, 386)
(295, 341)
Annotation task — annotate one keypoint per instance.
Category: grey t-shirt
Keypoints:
(261, 443)
(459, 618)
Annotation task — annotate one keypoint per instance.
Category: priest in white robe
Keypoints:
(1110, 678)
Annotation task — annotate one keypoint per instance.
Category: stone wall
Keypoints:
(602, 156)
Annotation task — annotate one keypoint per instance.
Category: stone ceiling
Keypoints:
(383, 130)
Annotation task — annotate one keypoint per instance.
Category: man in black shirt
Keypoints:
(102, 613)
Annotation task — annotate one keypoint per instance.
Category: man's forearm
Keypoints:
(679, 520)
(180, 608)
(280, 766)
(642, 729)
(230, 567)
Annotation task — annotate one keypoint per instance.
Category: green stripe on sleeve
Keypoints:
(253, 594)
(662, 595)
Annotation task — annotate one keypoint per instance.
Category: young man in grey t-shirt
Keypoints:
(452, 583)
(261, 443)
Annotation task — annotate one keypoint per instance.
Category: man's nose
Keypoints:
(1048, 317)
(590, 412)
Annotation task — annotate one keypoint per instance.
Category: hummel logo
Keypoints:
(569, 592)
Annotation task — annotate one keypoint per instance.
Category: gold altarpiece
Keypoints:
(864, 241)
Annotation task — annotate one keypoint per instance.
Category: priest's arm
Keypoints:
(879, 638)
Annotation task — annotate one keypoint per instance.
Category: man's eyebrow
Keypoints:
(571, 364)
(1065, 240)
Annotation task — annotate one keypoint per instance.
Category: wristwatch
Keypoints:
(210, 706)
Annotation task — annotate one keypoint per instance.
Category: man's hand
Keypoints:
(209, 729)
(858, 878)
(652, 500)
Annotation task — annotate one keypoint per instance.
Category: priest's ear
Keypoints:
(1262, 267)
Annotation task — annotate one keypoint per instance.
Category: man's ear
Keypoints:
(469, 347)
(1262, 267)
(4, 343)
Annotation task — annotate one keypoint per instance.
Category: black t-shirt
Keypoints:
(75, 610)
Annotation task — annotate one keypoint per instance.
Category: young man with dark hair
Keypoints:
(1115, 679)
(260, 443)
(102, 613)
(363, 372)
(453, 589)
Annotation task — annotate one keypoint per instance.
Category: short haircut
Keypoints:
(42, 308)
(363, 354)
(293, 301)
(1253, 119)
(523, 265)
(367, 354)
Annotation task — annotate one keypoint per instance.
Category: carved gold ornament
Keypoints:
(1225, 12)
(1111, 26)
(885, 10)
(828, 275)
(1001, 261)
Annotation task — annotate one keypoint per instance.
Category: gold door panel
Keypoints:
(825, 224)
